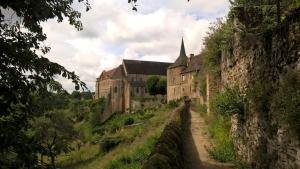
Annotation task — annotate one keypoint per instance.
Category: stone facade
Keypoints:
(126, 82)
(181, 74)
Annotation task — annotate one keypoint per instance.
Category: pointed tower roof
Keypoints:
(182, 59)
(182, 49)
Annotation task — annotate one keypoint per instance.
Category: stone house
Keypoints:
(126, 82)
(181, 76)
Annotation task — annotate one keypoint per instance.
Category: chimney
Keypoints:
(192, 55)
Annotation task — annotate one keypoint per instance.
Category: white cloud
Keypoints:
(112, 31)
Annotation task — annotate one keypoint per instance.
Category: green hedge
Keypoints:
(167, 153)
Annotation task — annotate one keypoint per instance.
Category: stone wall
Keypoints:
(264, 58)
(167, 153)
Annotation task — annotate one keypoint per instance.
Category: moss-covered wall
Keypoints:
(167, 153)
(259, 137)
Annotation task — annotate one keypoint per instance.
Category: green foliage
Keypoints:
(286, 101)
(173, 104)
(54, 133)
(202, 85)
(228, 102)
(156, 85)
(261, 16)
(259, 96)
(24, 72)
(162, 86)
(129, 121)
(219, 129)
(96, 107)
(109, 143)
(223, 152)
(135, 158)
(219, 39)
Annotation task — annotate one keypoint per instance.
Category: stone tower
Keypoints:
(174, 77)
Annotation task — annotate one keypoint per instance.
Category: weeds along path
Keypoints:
(196, 145)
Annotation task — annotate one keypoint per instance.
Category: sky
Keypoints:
(112, 32)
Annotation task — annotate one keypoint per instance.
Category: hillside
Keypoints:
(123, 141)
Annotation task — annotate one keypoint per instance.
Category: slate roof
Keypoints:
(182, 59)
(138, 83)
(195, 63)
(113, 73)
(145, 67)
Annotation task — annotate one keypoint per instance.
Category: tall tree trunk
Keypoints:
(52, 161)
(278, 11)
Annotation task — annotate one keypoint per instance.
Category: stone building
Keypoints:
(181, 74)
(127, 81)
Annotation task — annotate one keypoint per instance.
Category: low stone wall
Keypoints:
(167, 153)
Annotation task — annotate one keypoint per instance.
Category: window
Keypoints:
(183, 89)
(116, 89)
(137, 90)
(183, 77)
(146, 90)
(173, 80)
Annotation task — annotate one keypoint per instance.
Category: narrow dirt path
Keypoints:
(196, 145)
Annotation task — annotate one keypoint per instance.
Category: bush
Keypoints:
(259, 96)
(286, 101)
(173, 104)
(97, 108)
(109, 143)
(140, 112)
(223, 152)
(219, 129)
(228, 102)
(146, 116)
(128, 121)
(114, 128)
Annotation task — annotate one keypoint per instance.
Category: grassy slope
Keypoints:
(136, 145)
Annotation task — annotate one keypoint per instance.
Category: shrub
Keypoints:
(97, 108)
(173, 104)
(259, 96)
(147, 116)
(223, 152)
(219, 129)
(140, 112)
(114, 128)
(286, 101)
(109, 143)
(129, 121)
(228, 102)
(202, 85)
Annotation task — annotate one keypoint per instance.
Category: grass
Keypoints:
(134, 158)
(137, 141)
(219, 131)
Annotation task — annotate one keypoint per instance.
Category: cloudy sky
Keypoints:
(112, 31)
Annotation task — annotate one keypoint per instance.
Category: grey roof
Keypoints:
(195, 64)
(182, 59)
(137, 83)
(145, 67)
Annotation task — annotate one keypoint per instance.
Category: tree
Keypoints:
(24, 72)
(162, 86)
(54, 133)
(156, 85)
(151, 84)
